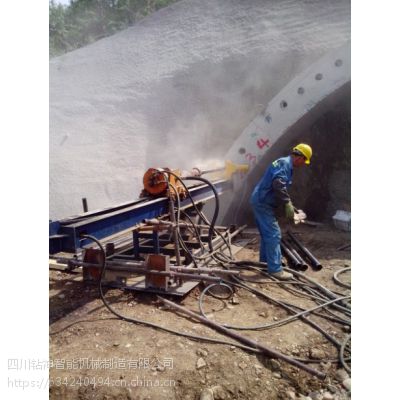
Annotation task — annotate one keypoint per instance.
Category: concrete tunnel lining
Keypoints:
(287, 119)
(288, 106)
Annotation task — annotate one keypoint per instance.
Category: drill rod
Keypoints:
(315, 264)
(290, 256)
(302, 266)
(243, 339)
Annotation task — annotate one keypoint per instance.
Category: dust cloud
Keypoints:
(175, 90)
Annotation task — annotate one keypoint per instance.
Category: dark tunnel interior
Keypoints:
(325, 185)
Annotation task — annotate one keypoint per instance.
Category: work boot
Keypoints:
(282, 275)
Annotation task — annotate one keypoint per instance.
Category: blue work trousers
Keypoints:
(270, 246)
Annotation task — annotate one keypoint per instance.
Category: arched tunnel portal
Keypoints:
(313, 108)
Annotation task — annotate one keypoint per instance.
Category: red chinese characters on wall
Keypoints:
(261, 143)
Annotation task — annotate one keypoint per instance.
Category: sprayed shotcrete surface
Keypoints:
(175, 90)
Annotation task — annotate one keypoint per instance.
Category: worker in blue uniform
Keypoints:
(270, 192)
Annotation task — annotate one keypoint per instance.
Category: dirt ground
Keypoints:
(97, 356)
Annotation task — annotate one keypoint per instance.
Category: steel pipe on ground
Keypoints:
(315, 264)
(292, 254)
(266, 350)
(116, 267)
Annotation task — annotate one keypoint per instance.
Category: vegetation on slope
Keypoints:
(85, 21)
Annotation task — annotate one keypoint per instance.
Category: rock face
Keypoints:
(175, 90)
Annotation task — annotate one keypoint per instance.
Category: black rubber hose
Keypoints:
(336, 279)
(327, 294)
(198, 211)
(285, 306)
(304, 285)
(193, 337)
(180, 179)
(151, 324)
(341, 354)
(195, 228)
(204, 256)
(323, 289)
(217, 296)
(188, 194)
(216, 210)
(175, 230)
(264, 326)
(181, 241)
(333, 318)
(310, 322)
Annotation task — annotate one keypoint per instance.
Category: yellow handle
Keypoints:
(231, 168)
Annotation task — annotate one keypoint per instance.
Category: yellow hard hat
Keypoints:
(305, 150)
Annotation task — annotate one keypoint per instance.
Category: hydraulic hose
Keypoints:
(212, 227)
(265, 326)
(314, 295)
(216, 210)
(289, 308)
(318, 292)
(341, 353)
(266, 350)
(336, 279)
(151, 324)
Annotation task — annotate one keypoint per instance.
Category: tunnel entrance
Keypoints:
(321, 188)
(326, 186)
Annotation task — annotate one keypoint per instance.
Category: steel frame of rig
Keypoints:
(160, 245)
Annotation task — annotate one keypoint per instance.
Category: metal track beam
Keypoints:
(65, 235)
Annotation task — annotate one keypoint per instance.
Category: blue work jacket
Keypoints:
(263, 193)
